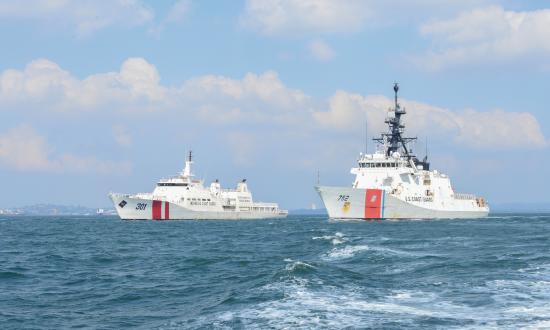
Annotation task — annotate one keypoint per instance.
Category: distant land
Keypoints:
(53, 209)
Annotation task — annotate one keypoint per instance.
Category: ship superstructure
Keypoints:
(393, 183)
(183, 197)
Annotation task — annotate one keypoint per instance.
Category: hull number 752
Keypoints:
(343, 198)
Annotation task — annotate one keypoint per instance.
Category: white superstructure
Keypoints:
(182, 197)
(393, 183)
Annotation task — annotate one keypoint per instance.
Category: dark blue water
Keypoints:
(301, 272)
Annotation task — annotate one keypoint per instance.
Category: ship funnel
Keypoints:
(242, 187)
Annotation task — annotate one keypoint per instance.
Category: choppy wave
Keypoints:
(350, 251)
(336, 239)
(297, 273)
(345, 252)
(293, 266)
(304, 307)
(307, 306)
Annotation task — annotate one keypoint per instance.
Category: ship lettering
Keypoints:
(343, 198)
(141, 206)
(418, 199)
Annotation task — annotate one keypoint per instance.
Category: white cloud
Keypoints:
(349, 111)
(23, 149)
(499, 129)
(44, 82)
(290, 17)
(486, 35)
(254, 98)
(492, 129)
(85, 16)
(321, 50)
(267, 87)
(257, 99)
(321, 17)
(140, 78)
(136, 87)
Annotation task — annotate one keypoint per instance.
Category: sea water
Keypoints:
(303, 272)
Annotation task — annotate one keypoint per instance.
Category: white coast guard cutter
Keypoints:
(393, 183)
(184, 198)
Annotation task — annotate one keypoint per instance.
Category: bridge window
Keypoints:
(171, 184)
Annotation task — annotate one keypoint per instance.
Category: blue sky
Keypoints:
(99, 96)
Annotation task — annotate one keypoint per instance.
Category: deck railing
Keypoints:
(464, 196)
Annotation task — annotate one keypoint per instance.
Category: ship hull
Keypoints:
(352, 203)
(133, 208)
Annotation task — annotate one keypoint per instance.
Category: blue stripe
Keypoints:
(382, 206)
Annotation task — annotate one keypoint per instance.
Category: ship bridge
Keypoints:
(184, 179)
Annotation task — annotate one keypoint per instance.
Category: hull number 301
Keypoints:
(141, 206)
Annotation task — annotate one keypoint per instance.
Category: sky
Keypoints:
(109, 95)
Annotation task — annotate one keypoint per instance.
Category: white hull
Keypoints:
(133, 208)
(354, 203)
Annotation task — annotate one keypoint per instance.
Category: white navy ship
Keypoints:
(393, 183)
(184, 198)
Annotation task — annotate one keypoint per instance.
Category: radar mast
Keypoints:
(393, 141)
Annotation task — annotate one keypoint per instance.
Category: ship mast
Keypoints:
(393, 140)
